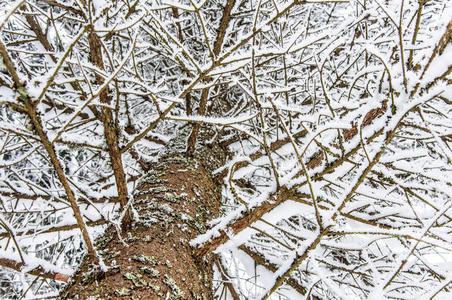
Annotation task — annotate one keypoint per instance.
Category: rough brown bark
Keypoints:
(154, 259)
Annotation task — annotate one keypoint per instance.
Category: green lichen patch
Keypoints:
(103, 241)
(123, 292)
(154, 287)
(161, 166)
(132, 239)
(151, 272)
(196, 192)
(200, 226)
(178, 159)
(87, 277)
(203, 211)
(147, 238)
(161, 189)
(168, 263)
(166, 208)
(136, 279)
(108, 255)
(131, 276)
(171, 197)
(171, 283)
(149, 260)
(147, 220)
(152, 177)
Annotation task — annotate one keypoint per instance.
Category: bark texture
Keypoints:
(153, 260)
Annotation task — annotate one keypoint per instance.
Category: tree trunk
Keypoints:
(153, 260)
